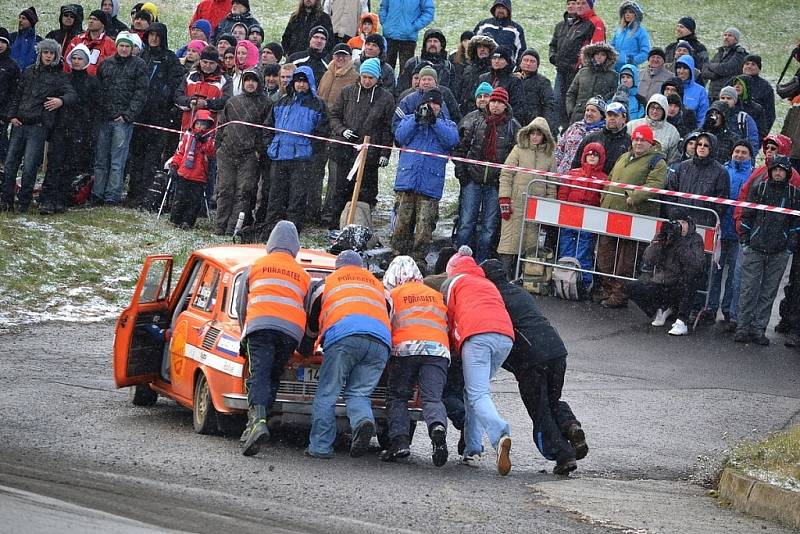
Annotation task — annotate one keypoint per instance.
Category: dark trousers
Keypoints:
(404, 50)
(287, 193)
(27, 148)
(540, 389)
(340, 189)
(430, 372)
(237, 179)
(453, 394)
(187, 201)
(144, 158)
(3, 138)
(314, 182)
(565, 77)
(267, 354)
(56, 185)
(262, 194)
(650, 296)
(789, 308)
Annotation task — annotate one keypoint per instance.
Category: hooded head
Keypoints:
(205, 117)
(712, 153)
(84, 50)
(160, 30)
(634, 73)
(438, 34)
(661, 101)
(494, 272)
(252, 55)
(284, 238)
(402, 270)
(77, 11)
(783, 142)
(347, 258)
(742, 80)
(716, 107)
(502, 3)
(780, 162)
(48, 45)
(480, 40)
(588, 52)
(688, 61)
(600, 150)
(371, 18)
(539, 124)
(304, 71)
(114, 7)
(638, 13)
(673, 82)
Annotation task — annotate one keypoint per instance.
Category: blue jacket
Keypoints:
(408, 106)
(636, 110)
(424, 174)
(23, 47)
(305, 113)
(695, 96)
(403, 19)
(505, 32)
(633, 46)
(738, 172)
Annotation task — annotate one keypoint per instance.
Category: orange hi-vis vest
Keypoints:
(419, 314)
(278, 286)
(352, 290)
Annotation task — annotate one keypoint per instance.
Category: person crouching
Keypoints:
(189, 167)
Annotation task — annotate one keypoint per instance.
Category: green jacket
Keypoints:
(630, 169)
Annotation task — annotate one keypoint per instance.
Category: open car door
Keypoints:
(138, 351)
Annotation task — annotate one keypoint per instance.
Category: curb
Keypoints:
(760, 499)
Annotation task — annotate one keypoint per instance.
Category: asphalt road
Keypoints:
(659, 413)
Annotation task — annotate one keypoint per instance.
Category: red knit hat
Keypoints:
(498, 93)
(643, 132)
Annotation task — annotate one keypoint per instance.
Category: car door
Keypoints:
(137, 348)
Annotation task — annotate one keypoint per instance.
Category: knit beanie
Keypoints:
(531, 52)
(277, 50)
(754, 59)
(377, 40)
(745, 143)
(674, 99)
(101, 16)
(197, 45)
(429, 71)
(123, 37)
(136, 40)
(729, 91)
(432, 95)
(144, 15)
(31, 15)
(504, 52)
(210, 53)
(284, 238)
(463, 252)
(348, 257)
(272, 69)
(686, 45)
(318, 30)
(643, 132)
(230, 39)
(599, 103)
(403, 269)
(151, 8)
(5, 36)
(465, 36)
(255, 28)
(656, 51)
(245, 3)
(80, 49)
(499, 95)
(735, 32)
(688, 23)
(371, 67)
(204, 26)
(485, 88)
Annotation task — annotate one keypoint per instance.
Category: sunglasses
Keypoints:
(770, 148)
(703, 145)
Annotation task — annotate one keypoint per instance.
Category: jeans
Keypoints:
(113, 142)
(267, 354)
(453, 394)
(354, 363)
(761, 277)
(482, 355)
(737, 284)
(430, 372)
(728, 257)
(477, 198)
(26, 147)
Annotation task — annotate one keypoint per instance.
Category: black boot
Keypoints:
(256, 432)
(439, 444)
(565, 467)
(577, 439)
(362, 436)
(400, 448)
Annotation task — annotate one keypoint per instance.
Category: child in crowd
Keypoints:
(189, 166)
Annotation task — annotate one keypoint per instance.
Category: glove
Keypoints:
(383, 161)
(505, 208)
(350, 135)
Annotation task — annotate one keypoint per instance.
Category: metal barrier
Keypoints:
(594, 220)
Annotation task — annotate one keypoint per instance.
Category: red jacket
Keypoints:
(599, 35)
(474, 305)
(582, 196)
(214, 88)
(214, 11)
(203, 152)
(104, 45)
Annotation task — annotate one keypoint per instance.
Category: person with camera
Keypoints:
(673, 262)
(420, 179)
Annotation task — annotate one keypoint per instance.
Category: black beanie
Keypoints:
(377, 40)
(245, 3)
(210, 53)
(504, 52)
(229, 38)
(432, 95)
(277, 50)
(318, 29)
(466, 35)
(674, 99)
(656, 51)
(5, 36)
(272, 69)
(101, 16)
(688, 23)
(144, 15)
(31, 15)
(755, 59)
(531, 52)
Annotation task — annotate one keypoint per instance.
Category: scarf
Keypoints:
(490, 138)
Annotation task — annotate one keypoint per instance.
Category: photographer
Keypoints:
(675, 261)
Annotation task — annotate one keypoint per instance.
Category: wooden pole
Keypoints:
(359, 176)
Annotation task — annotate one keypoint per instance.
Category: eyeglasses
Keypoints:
(698, 145)
(770, 148)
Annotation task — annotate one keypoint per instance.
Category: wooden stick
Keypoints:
(359, 176)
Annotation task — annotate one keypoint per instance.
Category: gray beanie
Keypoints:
(729, 91)
(735, 32)
(49, 45)
(284, 237)
(348, 257)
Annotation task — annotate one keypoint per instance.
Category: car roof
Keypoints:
(236, 257)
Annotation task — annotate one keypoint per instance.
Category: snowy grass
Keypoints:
(775, 460)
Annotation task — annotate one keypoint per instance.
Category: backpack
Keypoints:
(568, 282)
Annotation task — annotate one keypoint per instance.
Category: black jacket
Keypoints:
(125, 85)
(295, 36)
(9, 79)
(685, 121)
(471, 133)
(440, 63)
(504, 78)
(473, 70)
(231, 20)
(366, 112)
(725, 137)
(699, 52)
(568, 39)
(762, 92)
(115, 27)
(165, 73)
(769, 232)
(535, 340)
(536, 100)
(62, 35)
(725, 64)
(675, 259)
(318, 62)
(615, 143)
(37, 84)
(79, 118)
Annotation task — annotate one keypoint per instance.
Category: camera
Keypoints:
(425, 114)
(669, 230)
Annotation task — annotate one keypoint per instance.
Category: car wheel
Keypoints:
(142, 395)
(204, 415)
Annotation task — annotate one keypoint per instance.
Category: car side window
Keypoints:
(206, 295)
(238, 287)
(157, 283)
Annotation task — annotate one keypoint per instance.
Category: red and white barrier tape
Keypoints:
(502, 166)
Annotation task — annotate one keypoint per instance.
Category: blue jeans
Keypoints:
(113, 142)
(477, 199)
(482, 355)
(728, 258)
(26, 147)
(354, 363)
(737, 283)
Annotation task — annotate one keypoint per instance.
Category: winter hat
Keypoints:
(377, 40)
(81, 49)
(101, 16)
(151, 8)
(504, 52)
(210, 53)
(674, 99)
(47, 45)
(245, 3)
(729, 91)
(531, 52)
(144, 15)
(429, 71)
(679, 213)
(493, 270)
(432, 95)
(371, 67)
(745, 143)
(204, 26)
(136, 40)
(342, 48)
(227, 37)
(197, 45)
(124, 37)
(403, 269)
(272, 69)
(318, 29)
(5, 36)
(31, 15)
(599, 103)
(500, 95)
(348, 257)
(277, 50)
(463, 252)
(466, 35)
(284, 238)
(783, 162)
(485, 88)
(617, 108)
(686, 45)
(255, 28)
(688, 23)
(754, 59)
(656, 51)
(733, 30)
(643, 132)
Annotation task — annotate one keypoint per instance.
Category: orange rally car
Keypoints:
(200, 365)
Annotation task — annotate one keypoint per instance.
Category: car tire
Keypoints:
(142, 395)
(204, 415)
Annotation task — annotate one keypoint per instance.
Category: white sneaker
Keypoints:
(503, 459)
(678, 329)
(661, 317)
(472, 460)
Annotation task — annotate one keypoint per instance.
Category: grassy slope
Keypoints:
(775, 459)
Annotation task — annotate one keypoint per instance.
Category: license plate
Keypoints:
(308, 374)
